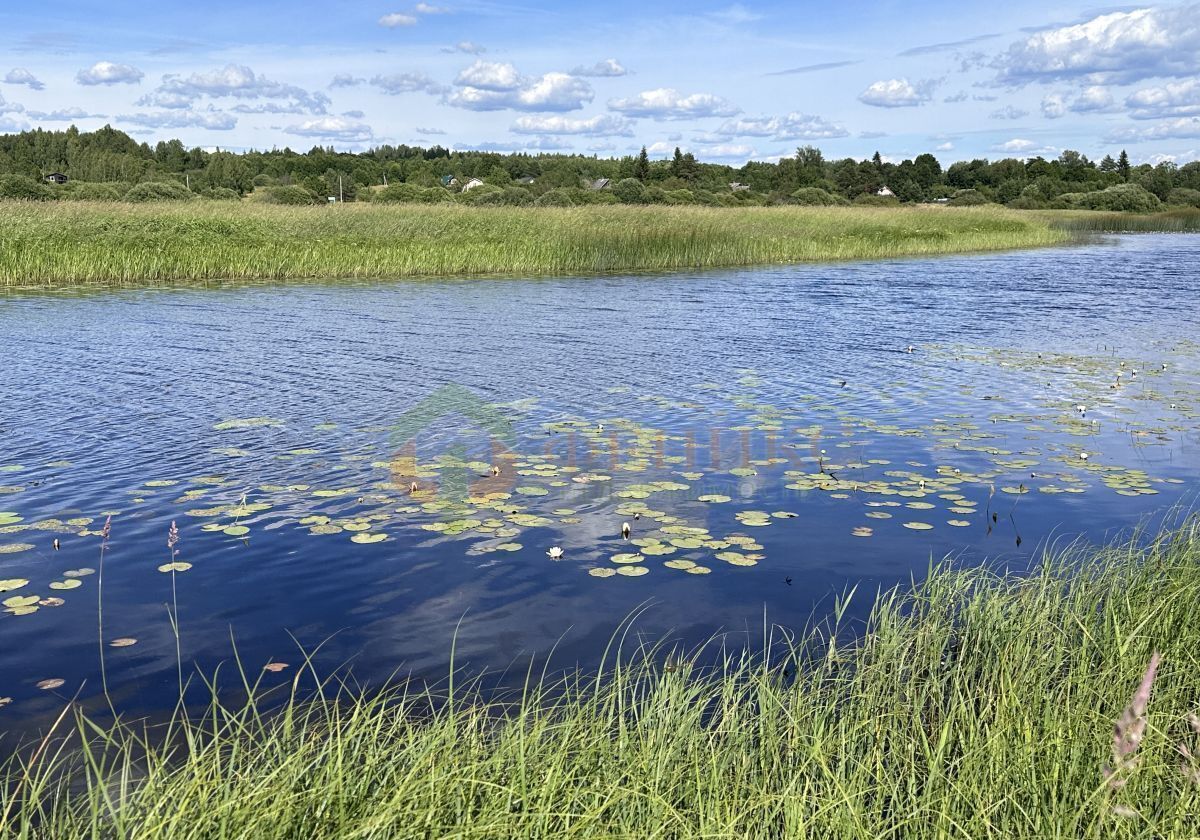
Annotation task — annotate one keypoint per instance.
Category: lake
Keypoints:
(773, 437)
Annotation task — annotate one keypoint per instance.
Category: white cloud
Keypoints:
(794, 126)
(342, 80)
(898, 93)
(468, 47)
(108, 73)
(426, 9)
(1091, 99)
(430, 132)
(63, 115)
(1119, 47)
(1024, 148)
(12, 125)
(1183, 127)
(398, 83)
(737, 13)
(944, 147)
(212, 120)
(1054, 106)
(236, 81)
(670, 104)
(603, 125)
(495, 86)
(961, 96)
(332, 128)
(1174, 99)
(738, 151)
(602, 147)
(21, 76)
(490, 75)
(396, 19)
(609, 67)
(1008, 112)
(7, 107)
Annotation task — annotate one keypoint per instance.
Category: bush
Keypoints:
(656, 195)
(483, 194)
(1026, 202)
(554, 198)
(968, 198)
(630, 191)
(1183, 197)
(88, 191)
(400, 194)
(872, 200)
(24, 188)
(1125, 198)
(293, 195)
(158, 191)
(680, 197)
(814, 197)
(221, 194)
(261, 180)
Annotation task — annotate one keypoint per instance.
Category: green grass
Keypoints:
(977, 705)
(1168, 221)
(81, 243)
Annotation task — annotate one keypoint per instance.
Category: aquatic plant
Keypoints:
(978, 704)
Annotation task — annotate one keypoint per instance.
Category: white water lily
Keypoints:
(555, 553)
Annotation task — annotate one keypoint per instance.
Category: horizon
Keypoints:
(728, 83)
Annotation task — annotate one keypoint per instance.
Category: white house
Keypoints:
(885, 192)
(472, 184)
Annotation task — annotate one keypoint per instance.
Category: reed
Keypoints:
(59, 245)
(1169, 221)
(975, 705)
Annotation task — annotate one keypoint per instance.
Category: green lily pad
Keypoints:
(367, 539)
(69, 583)
(236, 530)
(175, 567)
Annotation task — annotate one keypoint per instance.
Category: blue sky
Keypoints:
(729, 82)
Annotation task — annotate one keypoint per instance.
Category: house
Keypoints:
(472, 184)
(526, 181)
(738, 186)
(56, 178)
(600, 184)
(884, 192)
(449, 181)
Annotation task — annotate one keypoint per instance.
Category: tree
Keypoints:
(1123, 166)
(877, 159)
(641, 166)
(1108, 164)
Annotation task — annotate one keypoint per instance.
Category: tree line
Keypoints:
(109, 164)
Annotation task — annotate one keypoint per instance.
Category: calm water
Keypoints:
(304, 413)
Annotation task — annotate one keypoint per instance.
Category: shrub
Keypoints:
(680, 197)
(1183, 197)
(221, 194)
(158, 191)
(1126, 198)
(262, 180)
(872, 200)
(655, 195)
(293, 194)
(483, 194)
(554, 198)
(630, 191)
(401, 194)
(1027, 202)
(24, 188)
(89, 191)
(814, 197)
(968, 198)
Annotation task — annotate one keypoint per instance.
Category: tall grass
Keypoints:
(975, 705)
(79, 243)
(1169, 221)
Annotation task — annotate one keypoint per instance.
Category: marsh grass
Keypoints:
(81, 243)
(975, 705)
(1169, 221)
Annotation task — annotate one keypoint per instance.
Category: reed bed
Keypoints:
(54, 245)
(974, 705)
(1170, 221)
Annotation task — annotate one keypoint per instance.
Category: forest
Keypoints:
(108, 164)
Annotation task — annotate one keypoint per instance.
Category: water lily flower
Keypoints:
(555, 553)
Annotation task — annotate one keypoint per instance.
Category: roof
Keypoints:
(600, 184)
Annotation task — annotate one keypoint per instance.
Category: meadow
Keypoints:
(976, 704)
(61, 244)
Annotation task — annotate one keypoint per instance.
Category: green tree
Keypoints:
(1123, 166)
(641, 166)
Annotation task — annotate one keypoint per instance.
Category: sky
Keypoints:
(728, 82)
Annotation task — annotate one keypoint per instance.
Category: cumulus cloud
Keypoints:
(332, 128)
(63, 115)
(1181, 128)
(431, 132)
(793, 126)
(468, 47)
(495, 86)
(1025, 148)
(108, 73)
(670, 104)
(212, 120)
(398, 83)
(1119, 47)
(1174, 99)
(738, 151)
(609, 67)
(234, 81)
(604, 125)
(7, 107)
(1092, 99)
(343, 80)
(944, 147)
(427, 9)
(898, 93)
(396, 19)
(21, 76)
(1008, 112)
(1054, 106)
(12, 124)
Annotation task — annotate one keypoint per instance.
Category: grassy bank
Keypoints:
(71, 244)
(976, 706)
(1170, 221)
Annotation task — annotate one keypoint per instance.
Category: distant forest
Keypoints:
(110, 165)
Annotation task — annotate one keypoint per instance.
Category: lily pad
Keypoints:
(366, 539)
(236, 531)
